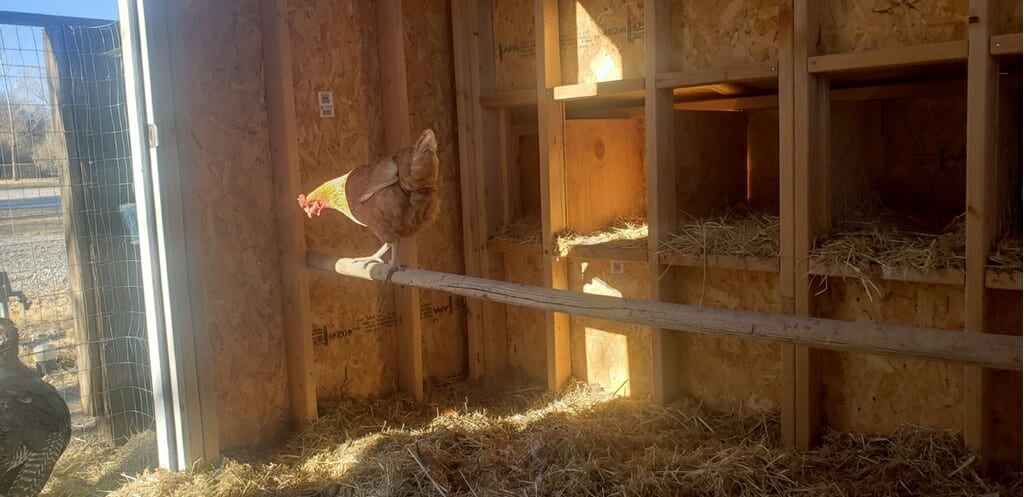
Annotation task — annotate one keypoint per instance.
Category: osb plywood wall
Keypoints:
(874, 394)
(1009, 12)
(430, 75)
(1004, 316)
(711, 160)
(613, 355)
(526, 329)
(230, 175)
(601, 40)
(334, 47)
(336, 50)
(858, 25)
(604, 169)
(763, 160)
(515, 48)
(730, 373)
(709, 34)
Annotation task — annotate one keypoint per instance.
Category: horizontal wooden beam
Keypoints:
(731, 104)
(1005, 44)
(746, 73)
(509, 99)
(936, 276)
(980, 349)
(743, 263)
(1003, 280)
(932, 53)
(955, 87)
(625, 88)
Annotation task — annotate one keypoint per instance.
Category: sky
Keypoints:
(93, 9)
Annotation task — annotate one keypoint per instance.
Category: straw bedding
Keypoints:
(517, 440)
(1007, 255)
(737, 232)
(523, 230)
(870, 236)
(623, 233)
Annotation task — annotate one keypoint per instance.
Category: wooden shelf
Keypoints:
(742, 263)
(509, 99)
(730, 104)
(523, 249)
(937, 277)
(1003, 280)
(1009, 44)
(766, 71)
(622, 89)
(609, 252)
(932, 53)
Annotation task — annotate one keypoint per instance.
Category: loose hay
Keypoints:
(624, 233)
(735, 233)
(871, 236)
(523, 230)
(1007, 255)
(519, 440)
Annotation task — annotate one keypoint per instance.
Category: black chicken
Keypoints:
(35, 425)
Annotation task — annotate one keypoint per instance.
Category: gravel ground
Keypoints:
(36, 264)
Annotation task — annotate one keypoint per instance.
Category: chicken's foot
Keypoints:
(377, 257)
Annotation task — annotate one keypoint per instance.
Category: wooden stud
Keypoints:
(991, 350)
(633, 87)
(662, 208)
(800, 409)
(982, 95)
(932, 53)
(550, 126)
(463, 12)
(284, 158)
(395, 103)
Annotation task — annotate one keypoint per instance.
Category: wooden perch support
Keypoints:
(978, 349)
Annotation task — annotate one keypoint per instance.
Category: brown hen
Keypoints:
(395, 197)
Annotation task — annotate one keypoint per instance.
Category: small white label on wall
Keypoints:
(326, 101)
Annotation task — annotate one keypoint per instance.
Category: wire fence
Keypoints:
(70, 272)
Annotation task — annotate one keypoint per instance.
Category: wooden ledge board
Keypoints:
(523, 249)
(745, 73)
(730, 104)
(1003, 280)
(610, 253)
(937, 277)
(1005, 44)
(742, 263)
(509, 99)
(932, 53)
(625, 88)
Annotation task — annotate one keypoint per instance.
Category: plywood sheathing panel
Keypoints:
(713, 34)
(528, 166)
(875, 394)
(730, 373)
(1008, 156)
(605, 175)
(857, 152)
(711, 159)
(429, 72)
(601, 40)
(763, 160)
(613, 355)
(515, 46)
(925, 138)
(1009, 12)
(1004, 317)
(353, 321)
(525, 326)
(859, 25)
(231, 176)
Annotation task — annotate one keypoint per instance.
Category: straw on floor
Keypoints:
(623, 233)
(516, 439)
(1007, 255)
(737, 232)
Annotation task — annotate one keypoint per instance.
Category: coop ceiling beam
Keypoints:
(976, 349)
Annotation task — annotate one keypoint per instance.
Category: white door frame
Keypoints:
(179, 344)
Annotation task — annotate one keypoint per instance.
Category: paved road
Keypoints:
(41, 197)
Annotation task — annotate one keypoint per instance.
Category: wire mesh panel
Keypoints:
(70, 271)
